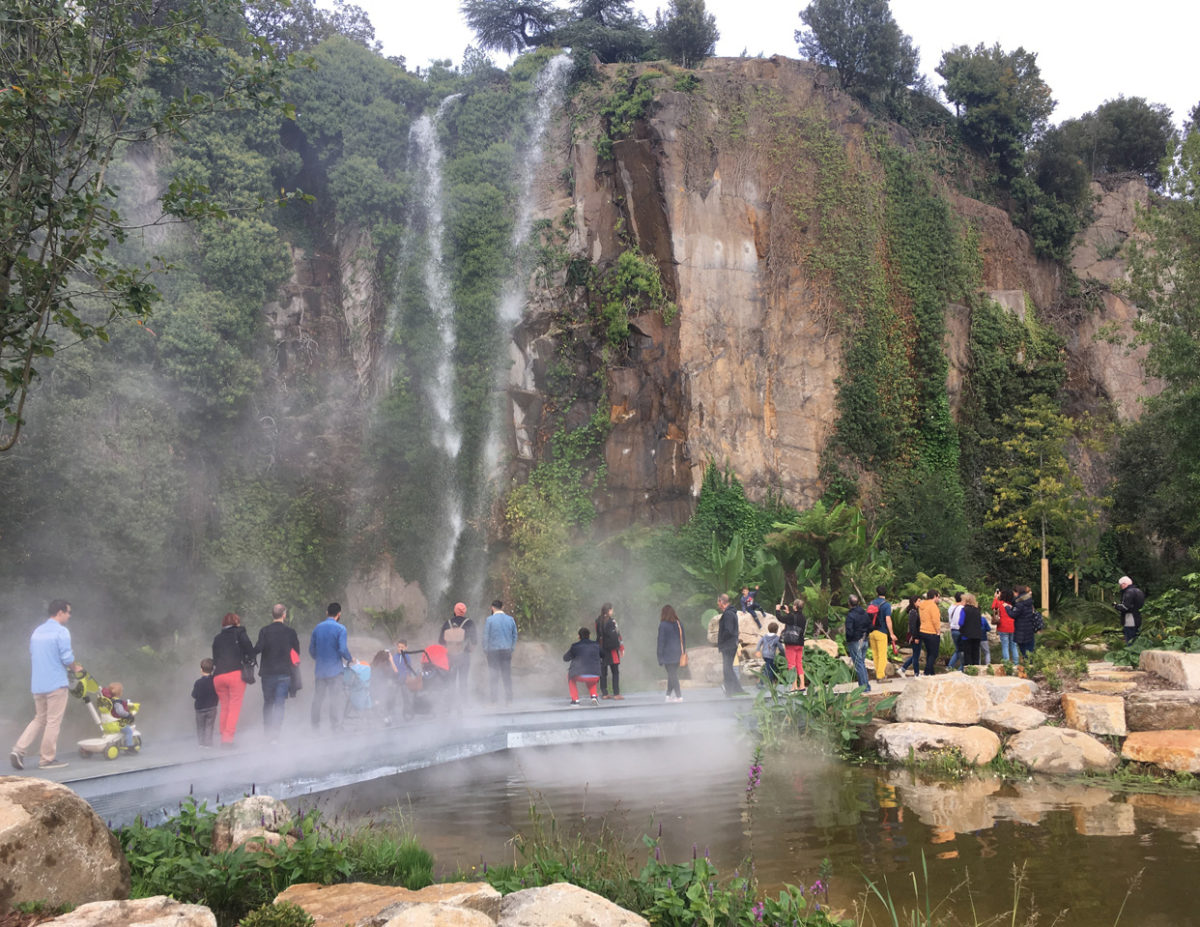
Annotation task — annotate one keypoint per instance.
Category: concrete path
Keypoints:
(153, 783)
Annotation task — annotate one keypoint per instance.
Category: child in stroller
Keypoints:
(424, 677)
(113, 713)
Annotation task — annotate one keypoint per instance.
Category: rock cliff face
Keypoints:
(747, 374)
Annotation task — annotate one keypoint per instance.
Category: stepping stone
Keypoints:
(1178, 751)
(1107, 686)
(1095, 714)
(1163, 710)
(1182, 669)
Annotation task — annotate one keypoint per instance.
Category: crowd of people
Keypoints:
(594, 658)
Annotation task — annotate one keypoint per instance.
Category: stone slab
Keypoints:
(1107, 686)
(1094, 713)
(1182, 669)
(1011, 718)
(1163, 710)
(1060, 751)
(1178, 751)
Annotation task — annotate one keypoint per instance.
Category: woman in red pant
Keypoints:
(231, 649)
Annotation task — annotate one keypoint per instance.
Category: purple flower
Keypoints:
(657, 853)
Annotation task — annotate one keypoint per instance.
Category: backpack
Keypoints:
(878, 619)
(455, 637)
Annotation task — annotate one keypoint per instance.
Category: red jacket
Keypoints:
(1004, 622)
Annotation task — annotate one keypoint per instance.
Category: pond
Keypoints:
(1081, 849)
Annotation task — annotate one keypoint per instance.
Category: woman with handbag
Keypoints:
(672, 650)
(233, 667)
(792, 638)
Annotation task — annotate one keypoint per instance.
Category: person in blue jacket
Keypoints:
(327, 647)
(499, 640)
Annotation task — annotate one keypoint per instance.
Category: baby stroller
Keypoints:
(112, 740)
(356, 681)
(425, 679)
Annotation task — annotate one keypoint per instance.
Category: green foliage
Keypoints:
(1053, 664)
(628, 101)
(861, 40)
(725, 568)
(278, 914)
(832, 719)
(1125, 134)
(1001, 100)
(1039, 503)
(633, 285)
(668, 894)
(1073, 635)
(722, 511)
(686, 33)
(509, 26)
(76, 90)
(177, 859)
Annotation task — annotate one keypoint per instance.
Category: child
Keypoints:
(584, 657)
(768, 647)
(204, 694)
(121, 709)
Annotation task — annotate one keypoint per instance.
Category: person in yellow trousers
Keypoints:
(882, 635)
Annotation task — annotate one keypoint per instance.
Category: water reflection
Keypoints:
(1080, 847)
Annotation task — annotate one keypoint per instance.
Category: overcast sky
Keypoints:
(1088, 52)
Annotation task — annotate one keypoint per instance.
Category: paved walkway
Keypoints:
(153, 783)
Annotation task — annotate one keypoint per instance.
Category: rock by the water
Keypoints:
(1005, 689)
(369, 905)
(54, 848)
(426, 914)
(563, 904)
(1012, 718)
(977, 745)
(1061, 751)
(158, 911)
(256, 822)
(952, 698)
(1178, 751)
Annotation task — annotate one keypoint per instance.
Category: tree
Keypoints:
(301, 24)
(1039, 504)
(74, 99)
(1000, 98)
(1158, 461)
(1125, 134)
(510, 25)
(861, 40)
(687, 32)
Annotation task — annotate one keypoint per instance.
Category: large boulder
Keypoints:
(560, 904)
(1011, 718)
(976, 744)
(1182, 669)
(1178, 751)
(1163, 710)
(1060, 751)
(158, 911)
(1008, 689)
(54, 848)
(1095, 714)
(374, 905)
(749, 630)
(830, 647)
(949, 699)
(256, 822)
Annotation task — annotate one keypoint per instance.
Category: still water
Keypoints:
(1082, 850)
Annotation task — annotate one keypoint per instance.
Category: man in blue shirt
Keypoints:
(50, 652)
(327, 647)
(499, 639)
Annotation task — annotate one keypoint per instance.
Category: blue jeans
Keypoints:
(956, 658)
(915, 660)
(275, 694)
(1008, 648)
(858, 654)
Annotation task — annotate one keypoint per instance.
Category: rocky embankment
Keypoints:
(1114, 710)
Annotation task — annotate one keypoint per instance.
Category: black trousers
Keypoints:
(605, 669)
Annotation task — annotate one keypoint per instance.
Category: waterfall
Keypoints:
(461, 484)
(439, 388)
(440, 391)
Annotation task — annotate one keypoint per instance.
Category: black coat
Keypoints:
(584, 657)
(607, 637)
(727, 630)
(275, 645)
(671, 643)
(1023, 621)
(971, 625)
(858, 624)
(1132, 600)
(795, 619)
(231, 648)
